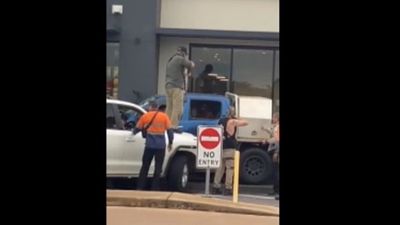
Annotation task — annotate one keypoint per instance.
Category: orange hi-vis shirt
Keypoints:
(156, 132)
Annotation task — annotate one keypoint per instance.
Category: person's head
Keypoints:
(153, 105)
(182, 50)
(162, 108)
(231, 112)
(209, 68)
(275, 118)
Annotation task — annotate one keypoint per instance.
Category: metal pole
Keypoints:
(208, 181)
(235, 195)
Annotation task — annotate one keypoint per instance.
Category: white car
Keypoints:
(125, 150)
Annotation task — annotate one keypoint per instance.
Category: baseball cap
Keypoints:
(153, 104)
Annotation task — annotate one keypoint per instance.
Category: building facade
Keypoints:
(238, 38)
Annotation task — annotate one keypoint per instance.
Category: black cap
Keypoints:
(153, 104)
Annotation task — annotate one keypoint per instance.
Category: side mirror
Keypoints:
(178, 129)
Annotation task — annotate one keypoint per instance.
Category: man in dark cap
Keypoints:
(175, 85)
(154, 124)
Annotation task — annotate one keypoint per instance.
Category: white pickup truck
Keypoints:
(255, 162)
(125, 150)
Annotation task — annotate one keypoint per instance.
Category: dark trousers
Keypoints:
(148, 155)
(275, 178)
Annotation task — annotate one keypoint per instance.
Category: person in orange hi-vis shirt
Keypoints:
(154, 123)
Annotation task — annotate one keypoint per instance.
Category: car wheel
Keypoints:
(178, 176)
(255, 166)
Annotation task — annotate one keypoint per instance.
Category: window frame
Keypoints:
(130, 107)
(116, 117)
(232, 47)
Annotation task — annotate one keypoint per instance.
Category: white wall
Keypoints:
(232, 15)
(168, 46)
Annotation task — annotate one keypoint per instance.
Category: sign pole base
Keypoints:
(207, 191)
(209, 151)
(235, 196)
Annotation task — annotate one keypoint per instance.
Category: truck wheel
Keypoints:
(255, 166)
(178, 175)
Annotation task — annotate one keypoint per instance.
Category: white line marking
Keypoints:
(209, 138)
(242, 195)
(256, 196)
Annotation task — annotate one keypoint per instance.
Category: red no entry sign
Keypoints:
(209, 146)
(209, 138)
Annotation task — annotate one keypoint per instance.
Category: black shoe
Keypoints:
(228, 192)
(216, 191)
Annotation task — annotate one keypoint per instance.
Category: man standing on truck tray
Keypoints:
(230, 145)
(156, 122)
(175, 84)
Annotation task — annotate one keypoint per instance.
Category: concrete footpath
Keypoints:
(176, 200)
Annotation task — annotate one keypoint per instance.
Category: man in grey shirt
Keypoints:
(175, 84)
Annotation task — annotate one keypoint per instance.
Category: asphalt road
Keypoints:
(157, 216)
(256, 194)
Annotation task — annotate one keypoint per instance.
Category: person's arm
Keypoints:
(240, 123)
(170, 134)
(276, 133)
(187, 63)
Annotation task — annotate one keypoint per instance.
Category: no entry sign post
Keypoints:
(209, 150)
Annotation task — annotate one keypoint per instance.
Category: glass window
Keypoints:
(212, 71)
(241, 70)
(110, 118)
(112, 69)
(200, 110)
(129, 116)
(252, 72)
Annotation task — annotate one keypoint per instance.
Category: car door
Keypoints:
(115, 143)
(133, 147)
